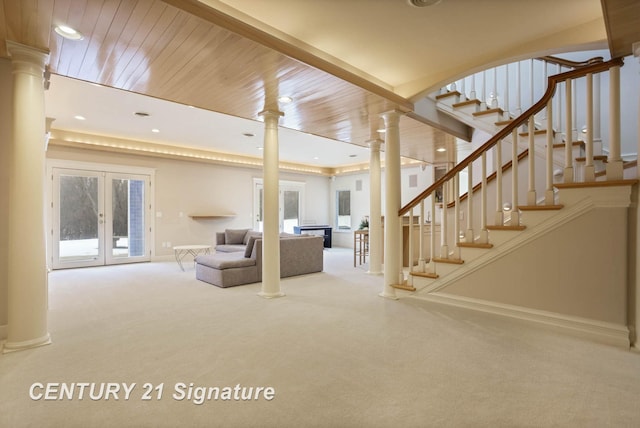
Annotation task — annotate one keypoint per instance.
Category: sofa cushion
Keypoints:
(234, 236)
(250, 243)
(230, 248)
(250, 234)
(225, 261)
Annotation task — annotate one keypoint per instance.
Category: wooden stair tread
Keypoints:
(448, 94)
(561, 145)
(596, 184)
(451, 261)
(505, 227)
(466, 103)
(404, 287)
(598, 157)
(540, 207)
(503, 122)
(424, 274)
(488, 111)
(536, 132)
(474, 245)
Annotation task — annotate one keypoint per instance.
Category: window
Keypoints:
(343, 205)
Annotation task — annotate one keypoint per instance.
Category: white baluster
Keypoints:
(494, 93)
(568, 143)
(531, 195)
(558, 109)
(421, 238)
(614, 161)
(506, 91)
(531, 83)
(456, 215)
(518, 89)
(483, 103)
(463, 89)
(410, 237)
(444, 230)
(549, 197)
(597, 119)
(431, 267)
(484, 236)
(468, 236)
(515, 212)
(589, 168)
(472, 92)
(499, 221)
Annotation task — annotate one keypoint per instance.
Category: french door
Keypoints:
(99, 218)
(290, 206)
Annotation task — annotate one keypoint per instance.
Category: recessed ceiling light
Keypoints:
(260, 148)
(78, 117)
(155, 130)
(68, 32)
(423, 3)
(285, 99)
(441, 149)
(316, 158)
(248, 134)
(353, 156)
(382, 130)
(141, 114)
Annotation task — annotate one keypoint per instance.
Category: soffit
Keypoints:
(413, 49)
(623, 25)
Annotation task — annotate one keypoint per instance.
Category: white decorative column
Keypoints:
(27, 266)
(375, 209)
(271, 229)
(392, 229)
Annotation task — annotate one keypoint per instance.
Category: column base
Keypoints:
(265, 295)
(9, 347)
(370, 272)
(390, 296)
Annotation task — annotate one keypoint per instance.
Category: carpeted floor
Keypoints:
(334, 353)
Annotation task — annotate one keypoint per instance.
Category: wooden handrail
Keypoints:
(518, 121)
(569, 63)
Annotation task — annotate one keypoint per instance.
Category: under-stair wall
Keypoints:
(567, 268)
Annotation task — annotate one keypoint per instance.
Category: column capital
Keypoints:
(392, 116)
(269, 114)
(26, 53)
(374, 145)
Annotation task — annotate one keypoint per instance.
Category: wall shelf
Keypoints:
(210, 216)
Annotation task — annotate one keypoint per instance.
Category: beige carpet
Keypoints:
(336, 354)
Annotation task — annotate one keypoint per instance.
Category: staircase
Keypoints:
(542, 237)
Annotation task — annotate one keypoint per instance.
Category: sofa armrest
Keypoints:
(220, 240)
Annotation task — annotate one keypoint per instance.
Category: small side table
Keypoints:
(181, 251)
(360, 246)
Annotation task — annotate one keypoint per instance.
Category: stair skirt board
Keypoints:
(603, 332)
(558, 219)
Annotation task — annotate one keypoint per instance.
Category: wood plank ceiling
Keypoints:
(153, 48)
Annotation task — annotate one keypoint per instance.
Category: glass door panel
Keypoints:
(78, 219)
(126, 227)
(290, 216)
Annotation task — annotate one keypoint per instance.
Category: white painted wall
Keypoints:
(182, 188)
(360, 199)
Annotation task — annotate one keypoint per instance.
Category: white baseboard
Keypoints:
(604, 332)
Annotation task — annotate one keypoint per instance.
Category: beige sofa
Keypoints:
(299, 254)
